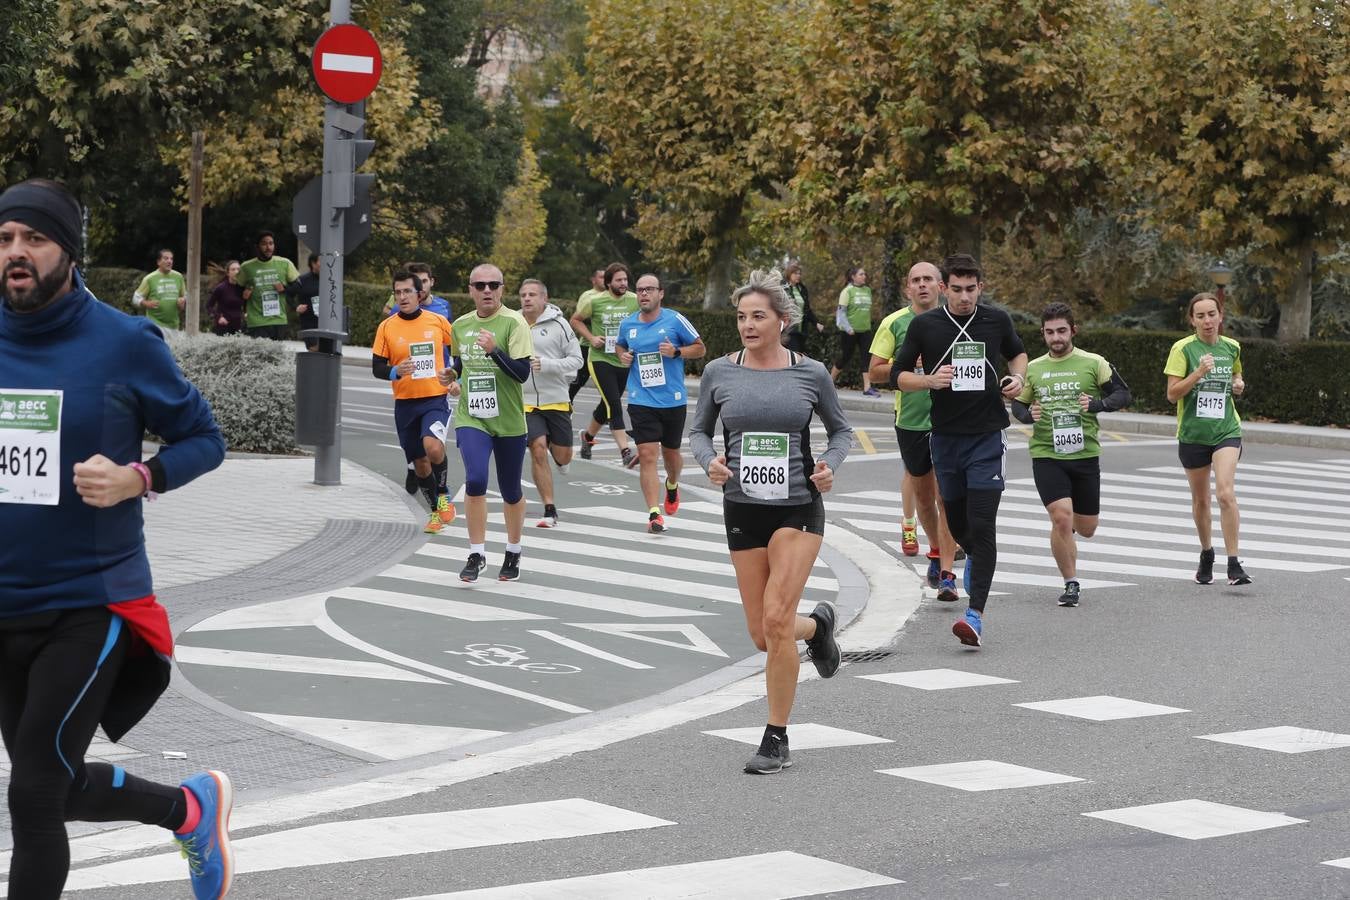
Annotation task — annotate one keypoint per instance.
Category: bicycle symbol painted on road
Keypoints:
(608, 490)
(510, 657)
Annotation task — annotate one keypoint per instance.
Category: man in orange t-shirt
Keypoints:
(410, 351)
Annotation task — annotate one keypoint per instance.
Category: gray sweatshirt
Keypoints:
(770, 400)
(559, 355)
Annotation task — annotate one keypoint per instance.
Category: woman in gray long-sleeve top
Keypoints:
(766, 396)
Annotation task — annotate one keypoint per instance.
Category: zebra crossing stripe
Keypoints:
(543, 594)
(1244, 491)
(1087, 548)
(305, 665)
(435, 606)
(1254, 473)
(764, 876)
(386, 837)
(1110, 506)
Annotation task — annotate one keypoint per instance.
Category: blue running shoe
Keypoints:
(968, 628)
(207, 847)
(965, 578)
(947, 588)
(934, 572)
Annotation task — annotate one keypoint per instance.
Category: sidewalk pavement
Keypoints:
(1124, 422)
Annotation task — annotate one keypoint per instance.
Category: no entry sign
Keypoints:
(347, 63)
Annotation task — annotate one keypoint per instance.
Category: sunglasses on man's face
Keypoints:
(485, 285)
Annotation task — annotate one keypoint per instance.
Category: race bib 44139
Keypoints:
(30, 446)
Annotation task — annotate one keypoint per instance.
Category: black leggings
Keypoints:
(860, 341)
(583, 374)
(611, 381)
(55, 680)
(973, 522)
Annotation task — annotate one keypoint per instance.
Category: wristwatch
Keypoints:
(678, 354)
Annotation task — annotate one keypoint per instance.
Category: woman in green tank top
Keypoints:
(1204, 374)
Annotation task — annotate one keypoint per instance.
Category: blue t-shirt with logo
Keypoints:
(653, 379)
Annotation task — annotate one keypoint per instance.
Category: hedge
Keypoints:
(250, 384)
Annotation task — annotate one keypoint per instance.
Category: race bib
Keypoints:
(271, 304)
(764, 465)
(968, 366)
(1211, 404)
(611, 337)
(423, 355)
(1066, 432)
(482, 396)
(30, 447)
(651, 370)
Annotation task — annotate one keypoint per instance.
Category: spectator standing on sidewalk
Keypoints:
(83, 642)
(853, 316)
(264, 279)
(806, 317)
(303, 293)
(162, 293)
(225, 305)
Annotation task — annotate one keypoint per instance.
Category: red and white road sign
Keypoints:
(347, 63)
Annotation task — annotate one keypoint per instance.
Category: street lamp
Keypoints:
(1221, 275)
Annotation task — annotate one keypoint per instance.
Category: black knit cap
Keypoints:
(47, 207)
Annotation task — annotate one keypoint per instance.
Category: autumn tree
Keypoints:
(681, 98)
(522, 222)
(1232, 119)
(933, 123)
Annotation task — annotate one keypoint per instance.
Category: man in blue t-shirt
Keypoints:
(654, 343)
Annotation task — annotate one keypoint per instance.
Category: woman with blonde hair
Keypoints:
(766, 396)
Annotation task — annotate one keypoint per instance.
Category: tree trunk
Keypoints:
(966, 235)
(1296, 310)
(192, 314)
(893, 273)
(717, 289)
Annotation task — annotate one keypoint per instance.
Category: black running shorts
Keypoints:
(915, 451)
(1077, 479)
(750, 525)
(1197, 456)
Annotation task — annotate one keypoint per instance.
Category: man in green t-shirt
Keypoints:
(491, 349)
(604, 313)
(162, 293)
(264, 280)
(1064, 391)
(853, 318)
(913, 431)
(597, 289)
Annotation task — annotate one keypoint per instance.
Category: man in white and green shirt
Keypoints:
(596, 321)
(1063, 392)
(264, 280)
(491, 349)
(853, 317)
(162, 293)
(913, 431)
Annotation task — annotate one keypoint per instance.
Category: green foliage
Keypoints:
(522, 221)
(1231, 120)
(684, 107)
(250, 384)
(939, 121)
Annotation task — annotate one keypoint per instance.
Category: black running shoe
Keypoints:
(1070, 595)
(1236, 574)
(473, 567)
(771, 757)
(410, 483)
(934, 572)
(587, 445)
(824, 649)
(1205, 574)
(510, 569)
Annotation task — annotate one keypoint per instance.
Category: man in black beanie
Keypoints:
(83, 641)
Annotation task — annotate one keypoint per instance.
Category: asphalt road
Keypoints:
(1163, 739)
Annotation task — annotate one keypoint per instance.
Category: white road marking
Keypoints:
(1194, 819)
(386, 837)
(436, 606)
(1283, 739)
(387, 740)
(589, 650)
(803, 736)
(293, 613)
(306, 665)
(1243, 490)
(1102, 709)
(980, 775)
(937, 679)
(694, 638)
(765, 876)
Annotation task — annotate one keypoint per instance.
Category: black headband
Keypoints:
(47, 210)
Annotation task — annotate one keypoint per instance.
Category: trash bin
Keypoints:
(318, 378)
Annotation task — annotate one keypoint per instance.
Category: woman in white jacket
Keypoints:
(548, 405)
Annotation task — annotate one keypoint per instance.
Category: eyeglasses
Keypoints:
(648, 290)
(485, 285)
(405, 292)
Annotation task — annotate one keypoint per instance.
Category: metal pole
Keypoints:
(328, 459)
